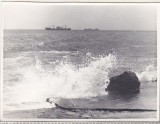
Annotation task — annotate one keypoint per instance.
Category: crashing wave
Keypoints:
(149, 74)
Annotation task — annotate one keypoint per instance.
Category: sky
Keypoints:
(104, 17)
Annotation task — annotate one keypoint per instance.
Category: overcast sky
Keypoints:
(105, 17)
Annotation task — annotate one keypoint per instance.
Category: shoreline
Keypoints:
(54, 113)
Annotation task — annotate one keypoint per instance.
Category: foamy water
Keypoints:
(65, 81)
(149, 74)
(70, 69)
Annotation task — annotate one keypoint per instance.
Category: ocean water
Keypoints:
(73, 68)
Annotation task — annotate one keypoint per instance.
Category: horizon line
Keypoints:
(89, 30)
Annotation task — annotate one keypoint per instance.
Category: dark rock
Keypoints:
(124, 83)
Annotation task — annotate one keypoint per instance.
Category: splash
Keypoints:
(149, 74)
(66, 80)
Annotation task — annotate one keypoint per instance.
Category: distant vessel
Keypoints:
(90, 29)
(57, 28)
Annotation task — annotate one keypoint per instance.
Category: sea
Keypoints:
(73, 68)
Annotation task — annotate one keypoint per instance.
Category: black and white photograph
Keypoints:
(80, 61)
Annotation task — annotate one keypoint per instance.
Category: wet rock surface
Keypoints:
(127, 82)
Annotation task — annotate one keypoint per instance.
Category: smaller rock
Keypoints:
(124, 83)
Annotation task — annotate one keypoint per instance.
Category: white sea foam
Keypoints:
(65, 81)
(149, 74)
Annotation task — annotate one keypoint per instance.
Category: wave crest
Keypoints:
(149, 74)
(66, 80)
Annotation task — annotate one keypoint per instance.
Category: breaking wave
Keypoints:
(66, 80)
(149, 74)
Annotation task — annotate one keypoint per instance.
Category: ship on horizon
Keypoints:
(90, 29)
(57, 28)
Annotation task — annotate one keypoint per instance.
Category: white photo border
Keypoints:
(77, 121)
